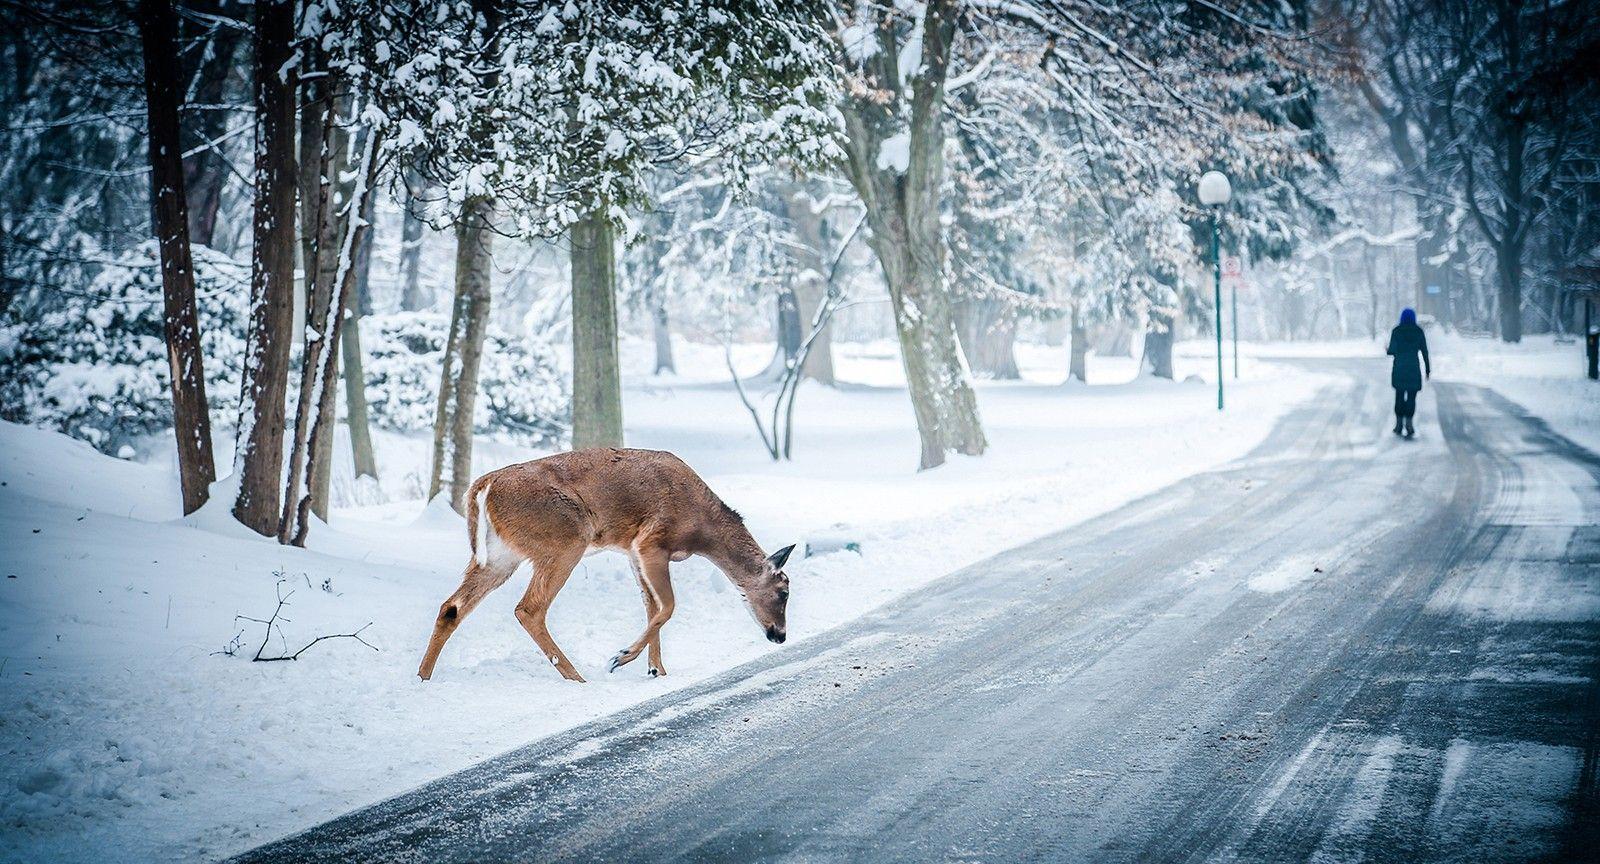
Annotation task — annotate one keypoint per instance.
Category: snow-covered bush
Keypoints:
(523, 389)
(94, 364)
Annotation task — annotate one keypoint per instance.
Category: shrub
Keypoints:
(94, 364)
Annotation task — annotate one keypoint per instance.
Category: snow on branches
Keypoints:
(557, 108)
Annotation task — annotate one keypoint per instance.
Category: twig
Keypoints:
(271, 625)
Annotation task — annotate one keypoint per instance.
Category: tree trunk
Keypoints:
(361, 302)
(191, 420)
(810, 291)
(331, 198)
(458, 384)
(902, 206)
(663, 334)
(259, 452)
(1158, 345)
(317, 400)
(412, 296)
(1430, 246)
(355, 379)
(355, 398)
(811, 287)
(1079, 365)
(596, 385)
(205, 173)
(942, 398)
(790, 332)
(1508, 264)
(988, 330)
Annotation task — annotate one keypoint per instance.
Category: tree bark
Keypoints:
(318, 399)
(205, 173)
(458, 384)
(663, 334)
(322, 262)
(908, 238)
(355, 379)
(412, 296)
(596, 382)
(811, 287)
(1079, 365)
(191, 420)
(1158, 345)
(988, 330)
(1508, 265)
(259, 452)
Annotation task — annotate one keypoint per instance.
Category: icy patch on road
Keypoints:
(1502, 800)
(1521, 591)
(1285, 574)
(1361, 804)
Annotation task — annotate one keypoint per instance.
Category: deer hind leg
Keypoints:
(478, 581)
(657, 668)
(657, 584)
(550, 572)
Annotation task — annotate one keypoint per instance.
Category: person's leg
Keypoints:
(1411, 411)
(1399, 409)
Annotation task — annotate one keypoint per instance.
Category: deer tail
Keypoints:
(479, 523)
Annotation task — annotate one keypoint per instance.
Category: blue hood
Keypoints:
(1408, 316)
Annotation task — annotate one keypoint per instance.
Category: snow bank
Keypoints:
(134, 727)
(1544, 376)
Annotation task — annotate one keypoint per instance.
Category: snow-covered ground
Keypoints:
(1544, 376)
(134, 727)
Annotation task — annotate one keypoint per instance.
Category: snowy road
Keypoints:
(1344, 646)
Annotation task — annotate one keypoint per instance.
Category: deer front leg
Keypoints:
(657, 668)
(476, 584)
(549, 575)
(657, 584)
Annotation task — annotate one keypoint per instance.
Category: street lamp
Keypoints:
(1215, 192)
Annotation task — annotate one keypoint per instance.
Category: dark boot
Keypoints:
(1411, 430)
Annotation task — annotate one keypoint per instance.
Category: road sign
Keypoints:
(1232, 267)
(1433, 289)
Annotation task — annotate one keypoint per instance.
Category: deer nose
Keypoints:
(776, 635)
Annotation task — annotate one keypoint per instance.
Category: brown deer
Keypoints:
(645, 503)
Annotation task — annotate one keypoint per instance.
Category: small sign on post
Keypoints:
(1433, 289)
(1232, 267)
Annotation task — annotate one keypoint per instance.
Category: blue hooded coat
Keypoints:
(1405, 343)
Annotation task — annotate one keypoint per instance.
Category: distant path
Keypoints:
(1344, 646)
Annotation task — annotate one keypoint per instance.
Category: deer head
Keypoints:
(768, 596)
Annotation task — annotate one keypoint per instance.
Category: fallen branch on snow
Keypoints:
(271, 625)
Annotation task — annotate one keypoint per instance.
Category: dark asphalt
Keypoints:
(1343, 647)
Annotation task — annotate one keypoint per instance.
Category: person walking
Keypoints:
(1406, 341)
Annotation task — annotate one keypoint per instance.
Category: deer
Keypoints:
(648, 504)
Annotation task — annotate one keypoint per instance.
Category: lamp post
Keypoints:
(1215, 192)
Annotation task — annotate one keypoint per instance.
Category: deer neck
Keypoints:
(736, 553)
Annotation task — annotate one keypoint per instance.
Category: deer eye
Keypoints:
(783, 593)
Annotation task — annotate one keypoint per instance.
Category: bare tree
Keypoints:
(191, 420)
(895, 159)
(259, 452)
(412, 296)
(355, 382)
(1513, 124)
(458, 383)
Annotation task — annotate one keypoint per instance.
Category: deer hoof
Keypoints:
(617, 659)
(656, 673)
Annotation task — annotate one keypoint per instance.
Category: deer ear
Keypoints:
(780, 557)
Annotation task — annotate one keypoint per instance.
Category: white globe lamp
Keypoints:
(1215, 189)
